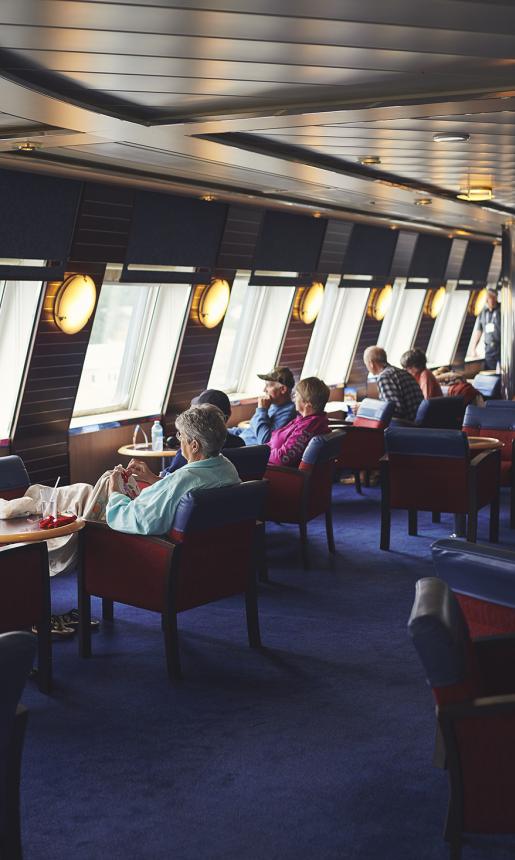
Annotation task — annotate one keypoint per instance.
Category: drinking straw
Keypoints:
(54, 490)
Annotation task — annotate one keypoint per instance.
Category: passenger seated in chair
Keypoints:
(414, 361)
(288, 444)
(393, 384)
(142, 472)
(202, 431)
(275, 408)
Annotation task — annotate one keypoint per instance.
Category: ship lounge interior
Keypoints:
(315, 663)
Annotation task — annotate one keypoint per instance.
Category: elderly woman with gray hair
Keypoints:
(201, 431)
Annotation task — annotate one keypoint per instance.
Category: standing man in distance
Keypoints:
(394, 384)
(489, 324)
(275, 408)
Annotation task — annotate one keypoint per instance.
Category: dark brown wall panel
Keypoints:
(238, 244)
(296, 340)
(103, 225)
(368, 337)
(425, 330)
(195, 359)
(464, 340)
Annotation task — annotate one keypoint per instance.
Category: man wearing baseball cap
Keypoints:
(489, 324)
(275, 407)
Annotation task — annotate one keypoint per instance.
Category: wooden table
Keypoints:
(484, 443)
(25, 529)
(145, 451)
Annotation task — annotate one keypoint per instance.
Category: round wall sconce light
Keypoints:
(379, 302)
(477, 302)
(74, 303)
(434, 302)
(311, 302)
(213, 303)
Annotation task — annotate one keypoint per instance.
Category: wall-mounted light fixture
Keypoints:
(310, 302)
(379, 302)
(74, 303)
(213, 303)
(477, 302)
(451, 137)
(476, 194)
(434, 302)
(369, 159)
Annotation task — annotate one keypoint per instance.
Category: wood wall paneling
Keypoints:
(238, 245)
(296, 341)
(368, 337)
(91, 454)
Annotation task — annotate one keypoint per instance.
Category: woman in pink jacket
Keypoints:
(288, 444)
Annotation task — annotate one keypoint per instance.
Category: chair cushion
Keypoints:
(208, 509)
(14, 479)
(322, 449)
(441, 413)
(250, 461)
(426, 442)
(374, 413)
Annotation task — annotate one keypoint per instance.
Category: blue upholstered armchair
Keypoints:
(498, 423)
(363, 443)
(474, 688)
(441, 413)
(14, 479)
(488, 384)
(431, 470)
(208, 555)
(299, 495)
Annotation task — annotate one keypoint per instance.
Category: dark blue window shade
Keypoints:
(476, 262)
(289, 243)
(430, 257)
(175, 231)
(37, 215)
(370, 251)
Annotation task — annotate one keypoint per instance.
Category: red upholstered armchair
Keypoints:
(474, 688)
(431, 470)
(24, 579)
(299, 495)
(498, 423)
(208, 555)
(363, 443)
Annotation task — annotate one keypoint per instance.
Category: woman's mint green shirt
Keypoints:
(153, 511)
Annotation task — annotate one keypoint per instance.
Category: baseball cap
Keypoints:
(283, 375)
(215, 398)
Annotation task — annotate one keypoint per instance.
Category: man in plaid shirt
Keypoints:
(394, 384)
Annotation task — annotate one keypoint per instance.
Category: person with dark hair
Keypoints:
(287, 444)
(393, 384)
(414, 361)
(214, 397)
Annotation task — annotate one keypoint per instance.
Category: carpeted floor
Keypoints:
(319, 746)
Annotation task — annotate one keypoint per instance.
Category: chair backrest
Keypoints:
(374, 413)
(250, 461)
(428, 469)
(488, 384)
(14, 479)
(441, 638)
(319, 460)
(441, 413)
(17, 652)
(215, 530)
(500, 404)
(497, 423)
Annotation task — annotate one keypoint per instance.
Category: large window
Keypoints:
(336, 332)
(19, 304)
(400, 325)
(251, 336)
(447, 328)
(132, 347)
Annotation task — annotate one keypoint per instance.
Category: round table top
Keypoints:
(141, 449)
(484, 443)
(24, 529)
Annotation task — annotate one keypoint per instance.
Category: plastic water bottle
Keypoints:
(157, 436)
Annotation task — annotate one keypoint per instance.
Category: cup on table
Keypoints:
(48, 501)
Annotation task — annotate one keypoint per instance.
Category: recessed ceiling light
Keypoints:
(423, 201)
(451, 137)
(27, 146)
(476, 194)
(317, 214)
(369, 159)
(208, 198)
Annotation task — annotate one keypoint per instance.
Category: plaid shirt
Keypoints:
(402, 389)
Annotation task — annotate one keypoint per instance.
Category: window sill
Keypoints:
(106, 420)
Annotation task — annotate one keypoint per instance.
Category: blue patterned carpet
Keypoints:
(319, 746)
